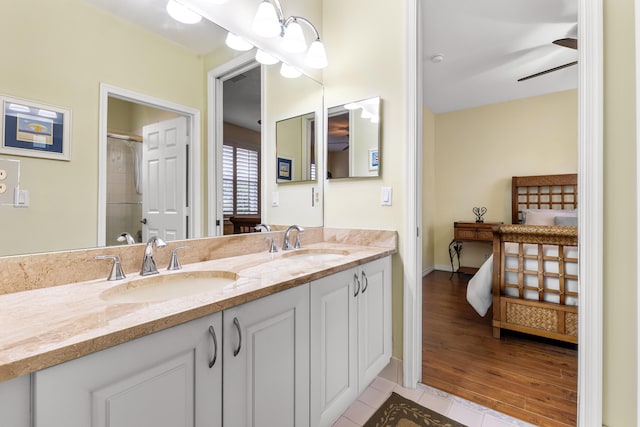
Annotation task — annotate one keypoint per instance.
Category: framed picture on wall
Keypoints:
(374, 159)
(285, 168)
(33, 129)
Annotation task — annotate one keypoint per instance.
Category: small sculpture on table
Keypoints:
(479, 213)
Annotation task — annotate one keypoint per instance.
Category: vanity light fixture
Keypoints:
(270, 21)
(181, 13)
(19, 108)
(237, 43)
(265, 58)
(289, 72)
(47, 113)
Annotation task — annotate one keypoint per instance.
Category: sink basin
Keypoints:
(162, 287)
(316, 255)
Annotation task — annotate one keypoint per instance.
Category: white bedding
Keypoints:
(479, 293)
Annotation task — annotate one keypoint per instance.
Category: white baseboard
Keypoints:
(428, 270)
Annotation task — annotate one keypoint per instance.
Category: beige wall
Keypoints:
(620, 256)
(366, 60)
(62, 61)
(478, 150)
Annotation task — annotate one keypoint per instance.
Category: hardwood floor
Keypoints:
(531, 379)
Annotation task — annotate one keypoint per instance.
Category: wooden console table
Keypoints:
(469, 232)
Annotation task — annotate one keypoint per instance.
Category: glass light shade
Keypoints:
(293, 40)
(266, 23)
(289, 72)
(352, 106)
(265, 58)
(217, 1)
(182, 13)
(237, 42)
(316, 57)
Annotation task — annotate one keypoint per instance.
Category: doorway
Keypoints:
(124, 118)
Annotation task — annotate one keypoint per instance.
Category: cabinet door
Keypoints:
(15, 402)
(266, 361)
(162, 379)
(374, 320)
(334, 381)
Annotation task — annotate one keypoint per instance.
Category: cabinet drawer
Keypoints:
(466, 234)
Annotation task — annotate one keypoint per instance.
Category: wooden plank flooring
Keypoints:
(531, 379)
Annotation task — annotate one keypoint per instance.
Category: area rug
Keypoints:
(400, 412)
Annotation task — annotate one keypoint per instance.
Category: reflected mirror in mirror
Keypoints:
(296, 148)
(353, 139)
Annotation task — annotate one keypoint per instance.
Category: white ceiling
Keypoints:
(486, 44)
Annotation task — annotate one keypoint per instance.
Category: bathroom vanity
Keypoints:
(290, 342)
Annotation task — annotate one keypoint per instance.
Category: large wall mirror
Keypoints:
(85, 46)
(353, 139)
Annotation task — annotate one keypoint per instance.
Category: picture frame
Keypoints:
(34, 129)
(374, 159)
(285, 168)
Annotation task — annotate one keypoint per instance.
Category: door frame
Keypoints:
(193, 176)
(215, 83)
(590, 213)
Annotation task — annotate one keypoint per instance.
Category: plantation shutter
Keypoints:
(240, 185)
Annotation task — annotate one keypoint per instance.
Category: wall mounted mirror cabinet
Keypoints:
(353, 139)
(296, 148)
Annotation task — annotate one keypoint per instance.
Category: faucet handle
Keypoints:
(297, 245)
(174, 263)
(116, 270)
(273, 247)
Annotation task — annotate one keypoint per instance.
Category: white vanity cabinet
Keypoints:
(266, 361)
(350, 336)
(170, 378)
(15, 402)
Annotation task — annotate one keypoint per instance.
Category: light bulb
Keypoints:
(265, 58)
(182, 13)
(237, 42)
(266, 23)
(293, 40)
(289, 72)
(217, 1)
(352, 106)
(316, 57)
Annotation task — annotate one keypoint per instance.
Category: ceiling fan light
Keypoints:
(293, 40)
(316, 56)
(237, 43)
(265, 58)
(181, 13)
(289, 72)
(266, 23)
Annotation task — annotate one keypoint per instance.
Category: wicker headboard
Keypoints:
(543, 192)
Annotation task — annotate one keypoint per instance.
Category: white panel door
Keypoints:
(266, 361)
(374, 320)
(164, 171)
(334, 340)
(160, 380)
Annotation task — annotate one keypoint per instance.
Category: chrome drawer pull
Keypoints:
(212, 332)
(356, 281)
(237, 325)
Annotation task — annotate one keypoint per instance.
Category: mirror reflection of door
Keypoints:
(126, 188)
(241, 151)
(163, 164)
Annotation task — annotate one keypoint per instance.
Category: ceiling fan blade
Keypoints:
(550, 70)
(568, 42)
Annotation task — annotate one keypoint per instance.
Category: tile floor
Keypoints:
(458, 409)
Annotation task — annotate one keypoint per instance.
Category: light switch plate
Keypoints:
(10, 180)
(386, 196)
(275, 199)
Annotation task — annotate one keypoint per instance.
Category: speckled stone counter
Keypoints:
(53, 306)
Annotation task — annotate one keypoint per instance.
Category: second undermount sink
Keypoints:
(316, 255)
(162, 287)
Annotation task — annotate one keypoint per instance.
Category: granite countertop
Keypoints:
(50, 325)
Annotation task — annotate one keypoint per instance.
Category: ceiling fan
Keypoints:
(569, 42)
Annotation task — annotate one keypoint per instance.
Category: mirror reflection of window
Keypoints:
(353, 139)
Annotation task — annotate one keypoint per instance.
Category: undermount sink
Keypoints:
(162, 287)
(316, 255)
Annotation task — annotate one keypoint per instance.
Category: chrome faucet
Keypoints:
(272, 240)
(262, 227)
(148, 264)
(286, 245)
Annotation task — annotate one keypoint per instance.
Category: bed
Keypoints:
(531, 279)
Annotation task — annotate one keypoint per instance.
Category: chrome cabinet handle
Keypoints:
(212, 332)
(356, 281)
(365, 280)
(237, 325)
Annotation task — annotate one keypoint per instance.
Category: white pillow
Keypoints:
(545, 216)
